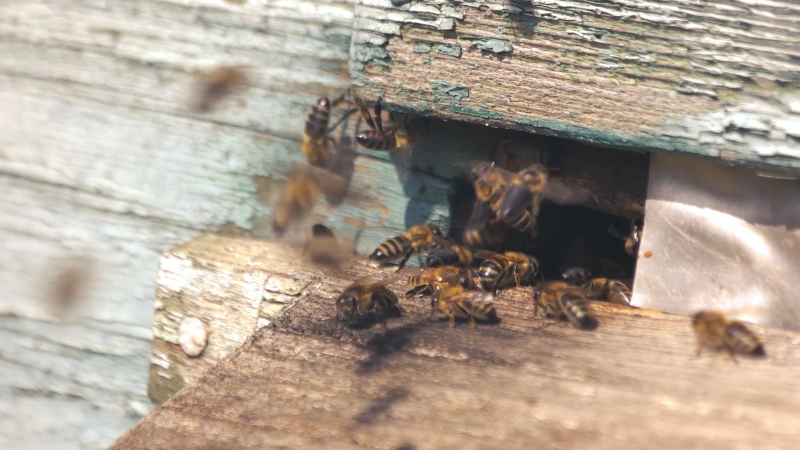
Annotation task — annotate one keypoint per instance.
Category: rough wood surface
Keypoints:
(715, 78)
(307, 382)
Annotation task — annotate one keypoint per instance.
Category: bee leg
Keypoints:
(405, 259)
(472, 322)
(699, 349)
(732, 354)
(452, 313)
(499, 281)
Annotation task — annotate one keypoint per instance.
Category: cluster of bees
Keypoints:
(460, 280)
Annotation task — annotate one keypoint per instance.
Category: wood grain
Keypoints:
(716, 78)
(306, 381)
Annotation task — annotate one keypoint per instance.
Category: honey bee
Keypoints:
(612, 291)
(322, 246)
(482, 230)
(397, 135)
(497, 267)
(213, 85)
(445, 252)
(522, 200)
(576, 276)
(561, 301)
(317, 146)
(632, 241)
(454, 301)
(304, 186)
(422, 283)
(716, 332)
(416, 239)
(368, 296)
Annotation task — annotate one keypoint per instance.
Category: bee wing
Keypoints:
(473, 296)
(486, 254)
(556, 192)
(332, 186)
(373, 284)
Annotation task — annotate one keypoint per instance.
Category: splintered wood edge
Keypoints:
(306, 380)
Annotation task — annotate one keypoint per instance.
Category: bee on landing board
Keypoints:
(302, 191)
(445, 252)
(416, 239)
(368, 296)
(501, 269)
(397, 135)
(561, 301)
(715, 332)
(422, 283)
(455, 302)
(607, 290)
(214, 84)
(317, 146)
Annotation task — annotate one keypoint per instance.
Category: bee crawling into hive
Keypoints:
(714, 331)
(561, 301)
(368, 296)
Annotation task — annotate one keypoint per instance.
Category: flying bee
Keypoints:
(561, 301)
(397, 135)
(576, 276)
(302, 190)
(716, 332)
(497, 267)
(454, 301)
(482, 230)
(490, 183)
(445, 252)
(521, 203)
(416, 239)
(322, 246)
(632, 241)
(612, 291)
(214, 84)
(423, 282)
(317, 146)
(368, 296)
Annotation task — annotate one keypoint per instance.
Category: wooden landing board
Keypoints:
(306, 381)
(717, 78)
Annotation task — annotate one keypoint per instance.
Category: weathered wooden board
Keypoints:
(306, 381)
(716, 78)
(99, 156)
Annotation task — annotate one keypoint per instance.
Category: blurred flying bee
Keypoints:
(716, 332)
(632, 241)
(322, 246)
(612, 291)
(368, 296)
(302, 190)
(396, 135)
(482, 230)
(561, 301)
(454, 301)
(445, 252)
(576, 276)
(422, 283)
(317, 146)
(416, 239)
(515, 198)
(212, 85)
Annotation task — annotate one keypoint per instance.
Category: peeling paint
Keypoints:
(446, 91)
(449, 50)
(494, 45)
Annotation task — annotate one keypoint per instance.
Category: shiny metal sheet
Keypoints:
(720, 237)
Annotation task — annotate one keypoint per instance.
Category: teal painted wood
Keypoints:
(719, 79)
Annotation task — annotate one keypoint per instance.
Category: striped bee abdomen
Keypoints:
(393, 248)
(742, 340)
(578, 312)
